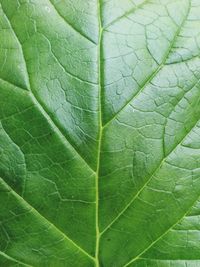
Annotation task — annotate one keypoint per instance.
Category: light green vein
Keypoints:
(3, 254)
(100, 133)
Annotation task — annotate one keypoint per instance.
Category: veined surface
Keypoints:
(100, 133)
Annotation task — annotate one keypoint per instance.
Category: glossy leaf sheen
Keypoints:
(100, 133)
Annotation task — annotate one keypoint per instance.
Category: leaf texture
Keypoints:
(100, 133)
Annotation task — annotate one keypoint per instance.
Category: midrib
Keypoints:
(100, 133)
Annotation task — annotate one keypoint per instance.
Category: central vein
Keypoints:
(100, 135)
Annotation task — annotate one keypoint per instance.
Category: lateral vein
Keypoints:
(57, 130)
(41, 108)
(153, 75)
(43, 218)
(70, 25)
(13, 259)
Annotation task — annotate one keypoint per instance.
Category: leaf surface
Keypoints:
(99, 133)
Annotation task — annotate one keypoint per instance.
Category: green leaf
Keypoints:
(99, 133)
